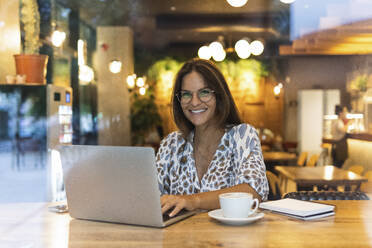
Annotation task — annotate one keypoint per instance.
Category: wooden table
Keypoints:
(31, 225)
(278, 156)
(320, 176)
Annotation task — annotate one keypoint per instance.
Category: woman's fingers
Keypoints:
(165, 208)
(167, 202)
(172, 201)
(175, 211)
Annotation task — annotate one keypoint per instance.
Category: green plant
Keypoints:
(360, 82)
(144, 116)
(163, 66)
(234, 70)
(30, 19)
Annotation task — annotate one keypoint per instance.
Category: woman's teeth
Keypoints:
(197, 111)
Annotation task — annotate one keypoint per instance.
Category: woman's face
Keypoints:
(201, 108)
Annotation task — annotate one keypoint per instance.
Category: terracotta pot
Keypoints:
(33, 66)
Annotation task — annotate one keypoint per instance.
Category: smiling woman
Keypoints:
(214, 152)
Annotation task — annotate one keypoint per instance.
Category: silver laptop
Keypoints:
(113, 184)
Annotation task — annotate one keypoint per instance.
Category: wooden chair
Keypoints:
(357, 169)
(367, 186)
(302, 159)
(274, 186)
(312, 160)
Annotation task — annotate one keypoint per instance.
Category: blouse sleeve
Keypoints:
(163, 160)
(250, 167)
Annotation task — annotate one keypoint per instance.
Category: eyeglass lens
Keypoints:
(204, 95)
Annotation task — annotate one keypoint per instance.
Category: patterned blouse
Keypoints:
(238, 159)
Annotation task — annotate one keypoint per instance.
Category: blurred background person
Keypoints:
(339, 134)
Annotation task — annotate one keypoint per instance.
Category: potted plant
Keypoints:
(30, 62)
(144, 117)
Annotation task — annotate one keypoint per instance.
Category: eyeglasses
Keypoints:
(204, 95)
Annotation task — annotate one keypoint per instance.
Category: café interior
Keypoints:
(106, 77)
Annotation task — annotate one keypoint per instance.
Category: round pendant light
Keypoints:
(242, 48)
(287, 1)
(257, 47)
(115, 66)
(204, 52)
(237, 3)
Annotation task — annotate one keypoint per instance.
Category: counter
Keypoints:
(360, 147)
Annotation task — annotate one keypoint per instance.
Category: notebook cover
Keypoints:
(299, 209)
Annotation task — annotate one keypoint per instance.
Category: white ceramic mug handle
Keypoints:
(256, 207)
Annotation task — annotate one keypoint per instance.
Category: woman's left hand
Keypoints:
(178, 202)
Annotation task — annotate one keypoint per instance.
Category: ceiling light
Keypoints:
(276, 90)
(242, 48)
(140, 82)
(219, 55)
(204, 52)
(217, 51)
(257, 47)
(142, 91)
(215, 46)
(115, 66)
(237, 3)
(287, 1)
(58, 37)
(131, 81)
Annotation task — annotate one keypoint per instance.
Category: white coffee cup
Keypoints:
(238, 204)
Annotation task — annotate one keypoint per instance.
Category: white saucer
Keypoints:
(218, 215)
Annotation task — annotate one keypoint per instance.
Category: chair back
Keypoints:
(326, 195)
(357, 169)
(274, 186)
(312, 160)
(302, 159)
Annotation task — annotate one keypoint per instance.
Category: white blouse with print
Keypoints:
(238, 159)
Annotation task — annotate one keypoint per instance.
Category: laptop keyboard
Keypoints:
(167, 217)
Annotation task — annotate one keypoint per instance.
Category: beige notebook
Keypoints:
(304, 210)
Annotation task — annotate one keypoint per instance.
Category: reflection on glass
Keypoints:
(57, 186)
(60, 231)
(309, 16)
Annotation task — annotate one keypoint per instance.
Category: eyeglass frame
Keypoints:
(178, 95)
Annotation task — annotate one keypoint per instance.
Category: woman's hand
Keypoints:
(178, 202)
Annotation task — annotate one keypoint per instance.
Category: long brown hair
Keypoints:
(226, 110)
